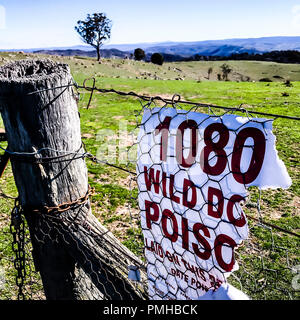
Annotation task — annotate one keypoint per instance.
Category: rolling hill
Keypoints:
(223, 48)
(105, 53)
(184, 70)
(218, 47)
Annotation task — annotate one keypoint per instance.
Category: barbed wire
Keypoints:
(63, 227)
(20, 157)
(171, 101)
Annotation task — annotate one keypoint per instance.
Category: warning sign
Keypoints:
(193, 170)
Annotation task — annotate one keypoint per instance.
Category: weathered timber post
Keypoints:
(41, 118)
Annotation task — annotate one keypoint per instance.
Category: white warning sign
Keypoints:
(193, 170)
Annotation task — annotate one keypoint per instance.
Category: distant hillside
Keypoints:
(276, 49)
(287, 56)
(196, 71)
(105, 53)
(207, 50)
(228, 47)
(225, 47)
(212, 47)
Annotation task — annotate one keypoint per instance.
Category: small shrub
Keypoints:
(265, 80)
(139, 54)
(209, 72)
(288, 83)
(277, 77)
(157, 58)
(225, 71)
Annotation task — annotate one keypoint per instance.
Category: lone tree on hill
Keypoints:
(94, 30)
(157, 58)
(139, 54)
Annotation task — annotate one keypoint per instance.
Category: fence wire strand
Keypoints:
(270, 280)
(266, 262)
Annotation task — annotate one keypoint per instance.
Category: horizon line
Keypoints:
(145, 43)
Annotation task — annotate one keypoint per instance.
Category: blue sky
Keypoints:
(44, 23)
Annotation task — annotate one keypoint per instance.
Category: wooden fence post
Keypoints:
(40, 113)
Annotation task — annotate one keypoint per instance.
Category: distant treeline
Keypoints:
(289, 56)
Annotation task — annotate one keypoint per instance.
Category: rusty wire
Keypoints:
(63, 226)
(94, 89)
(174, 101)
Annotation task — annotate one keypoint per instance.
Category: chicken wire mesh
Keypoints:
(268, 259)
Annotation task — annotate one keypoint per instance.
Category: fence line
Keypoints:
(172, 101)
(62, 228)
(176, 99)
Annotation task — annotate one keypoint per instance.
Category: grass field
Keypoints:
(195, 70)
(113, 193)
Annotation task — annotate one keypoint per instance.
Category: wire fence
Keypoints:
(268, 259)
